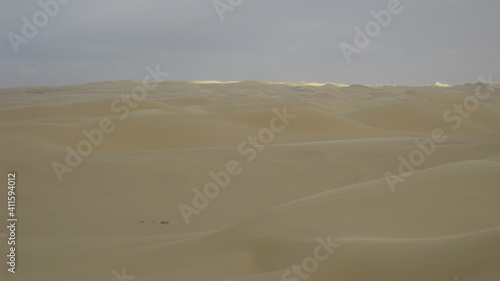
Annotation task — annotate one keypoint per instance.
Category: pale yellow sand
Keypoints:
(322, 176)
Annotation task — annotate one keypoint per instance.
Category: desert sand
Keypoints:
(253, 181)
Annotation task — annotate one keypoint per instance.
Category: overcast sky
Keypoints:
(450, 41)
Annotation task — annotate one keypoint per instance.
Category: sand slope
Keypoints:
(321, 177)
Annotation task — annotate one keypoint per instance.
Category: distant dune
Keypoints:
(243, 181)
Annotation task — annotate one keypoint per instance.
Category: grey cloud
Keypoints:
(287, 40)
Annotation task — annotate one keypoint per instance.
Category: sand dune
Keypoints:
(312, 200)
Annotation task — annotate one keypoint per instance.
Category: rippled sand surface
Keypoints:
(253, 181)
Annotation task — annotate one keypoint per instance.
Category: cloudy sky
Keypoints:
(451, 41)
